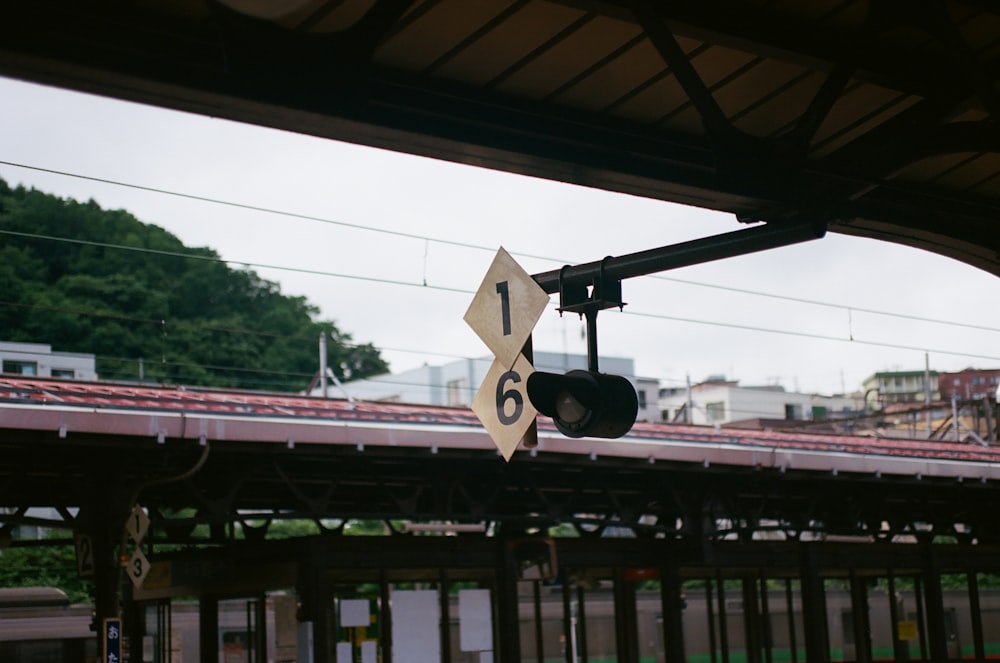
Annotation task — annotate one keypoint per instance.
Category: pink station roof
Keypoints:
(219, 416)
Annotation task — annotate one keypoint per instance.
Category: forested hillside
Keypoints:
(85, 279)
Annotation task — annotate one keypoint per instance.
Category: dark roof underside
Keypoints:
(878, 117)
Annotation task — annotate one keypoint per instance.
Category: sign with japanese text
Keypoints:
(112, 639)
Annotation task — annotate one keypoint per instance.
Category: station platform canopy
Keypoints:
(875, 118)
(227, 456)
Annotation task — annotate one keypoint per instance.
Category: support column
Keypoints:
(752, 619)
(673, 610)
(934, 600)
(133, 621)
(813, 607)
(445, 618)
(260, 628)
(314, 592)
(897, 613)
(626, 622)
(106, 574)
(509, 642)
(208, 629)
(976, 617)
(860, 619)
(103, 520)
(569, 625)
(385, 629)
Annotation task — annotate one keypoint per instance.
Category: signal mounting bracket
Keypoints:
(603, 291)
(586, 299)
(586, 289)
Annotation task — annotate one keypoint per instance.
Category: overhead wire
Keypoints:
(194, 256)
(632, 312)
(424, 284)
(439, 240)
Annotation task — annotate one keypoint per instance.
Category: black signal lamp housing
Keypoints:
(585, 403)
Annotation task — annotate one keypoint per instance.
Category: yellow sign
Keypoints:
(906, 630)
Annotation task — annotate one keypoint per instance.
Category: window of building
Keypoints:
(63, 373)
(456, 392)
(20, 367)
(793, 411)
(715, 411)
(642, 398)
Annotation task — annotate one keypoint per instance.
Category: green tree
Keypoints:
(85, 279)
(50, 566)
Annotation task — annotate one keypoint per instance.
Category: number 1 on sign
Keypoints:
(520, 301)
(504, 306)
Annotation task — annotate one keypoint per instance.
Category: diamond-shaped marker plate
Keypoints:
(506, 307)
(137, 523)
(138, 568)
(502, 404)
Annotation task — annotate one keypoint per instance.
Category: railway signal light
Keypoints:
(585, 403)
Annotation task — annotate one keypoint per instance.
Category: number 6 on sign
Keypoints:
(502, 404)
(509, 395)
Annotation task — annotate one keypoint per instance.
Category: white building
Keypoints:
(456, 383)
(38, 359)
(901, 387)
(719, 401)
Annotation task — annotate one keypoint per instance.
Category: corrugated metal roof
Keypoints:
(192, 413)
(877, 117)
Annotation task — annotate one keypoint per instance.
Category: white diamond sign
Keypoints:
(503, 313)
(506, 307)
(502, 404)
(138, 568)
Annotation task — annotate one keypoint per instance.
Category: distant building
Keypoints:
(724, 402)
(969, 385)
(456, 383)
(888, 387)
(39, 360)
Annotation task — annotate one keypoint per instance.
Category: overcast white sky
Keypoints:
(445, 222)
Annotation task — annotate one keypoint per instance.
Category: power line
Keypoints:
(186, 324)
(814, 302)
(194, 256)
(244, 206)
(467, 245)
(820, 337)
(469, 292)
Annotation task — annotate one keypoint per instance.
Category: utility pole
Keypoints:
(322, 363)
(927, 392)
(689, 406)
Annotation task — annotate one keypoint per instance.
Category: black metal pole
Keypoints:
(568, 624)
(977, 613)
(592, 359)
(814, 626)
(707, 249)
